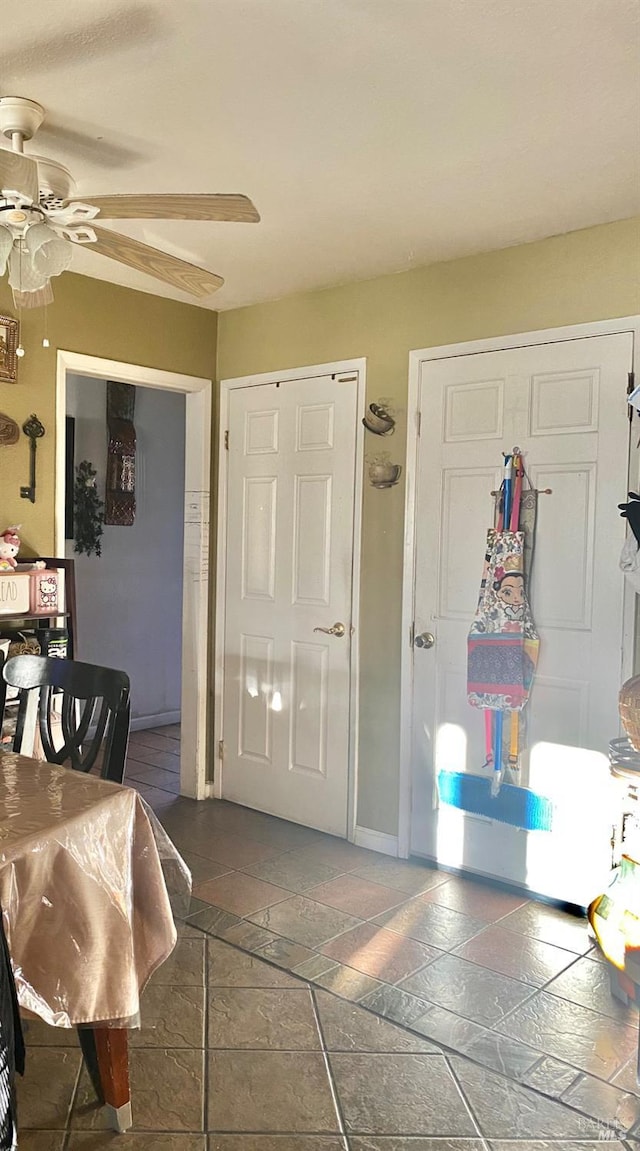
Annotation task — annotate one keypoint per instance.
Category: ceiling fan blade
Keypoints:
(19, 173)
(236, 209)
(164, 267)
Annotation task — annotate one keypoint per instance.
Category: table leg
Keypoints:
(106, 1054)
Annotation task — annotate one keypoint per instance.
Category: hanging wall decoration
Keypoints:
(379, 419)
(9, 431)
(382, 472)
(88, 511)
(8, 349)
(120, 497)
(34, 430)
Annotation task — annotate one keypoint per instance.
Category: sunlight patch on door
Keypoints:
(573, 861)
(450, 755)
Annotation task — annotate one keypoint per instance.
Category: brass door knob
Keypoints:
(338, 630)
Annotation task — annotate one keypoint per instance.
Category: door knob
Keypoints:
(338, 630)
(425, 639)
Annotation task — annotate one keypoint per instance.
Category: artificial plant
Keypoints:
(88, 510)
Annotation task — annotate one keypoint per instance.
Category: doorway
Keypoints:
(288, 580)
(129, 599)
(561, 397)
(195, 583)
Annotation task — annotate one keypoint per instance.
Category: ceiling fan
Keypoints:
(41, 219)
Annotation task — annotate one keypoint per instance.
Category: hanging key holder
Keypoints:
(34, 431)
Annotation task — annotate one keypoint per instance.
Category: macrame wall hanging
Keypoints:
(120, 494)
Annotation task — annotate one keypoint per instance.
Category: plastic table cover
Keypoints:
(87, 882)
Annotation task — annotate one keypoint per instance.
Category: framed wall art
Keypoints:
(8, 345)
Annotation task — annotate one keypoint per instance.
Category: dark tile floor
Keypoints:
(324, 997)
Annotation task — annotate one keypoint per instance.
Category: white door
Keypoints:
(291, 482)
(564, 405)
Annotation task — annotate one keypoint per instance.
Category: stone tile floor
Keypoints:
(324, 997)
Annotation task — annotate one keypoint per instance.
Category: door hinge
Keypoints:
(226, 440)
(220, 749)
(412, 634)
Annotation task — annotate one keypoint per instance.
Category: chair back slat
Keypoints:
(44, 721)
(95, 713)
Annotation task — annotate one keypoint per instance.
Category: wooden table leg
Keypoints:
(106, 1053)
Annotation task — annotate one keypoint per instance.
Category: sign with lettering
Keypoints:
(14, 593)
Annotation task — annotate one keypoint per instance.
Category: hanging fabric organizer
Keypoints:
(503, 642)
(502, 654)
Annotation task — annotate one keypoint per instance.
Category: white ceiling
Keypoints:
(372, 135)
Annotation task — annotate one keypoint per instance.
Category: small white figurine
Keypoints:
(9, 548)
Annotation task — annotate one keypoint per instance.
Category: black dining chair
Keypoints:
(94, 716)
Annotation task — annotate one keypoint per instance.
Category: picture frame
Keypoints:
(8, 344)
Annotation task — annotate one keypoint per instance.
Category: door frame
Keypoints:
(198, 391)
(290, 375)
(450, 351)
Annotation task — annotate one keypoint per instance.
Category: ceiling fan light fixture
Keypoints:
(36, 257)
(22, 275)
(36, 236)
(50, 255)
(39, 299)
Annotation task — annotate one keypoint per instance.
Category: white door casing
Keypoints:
(195, 742)
(288, 537)
(563, 403)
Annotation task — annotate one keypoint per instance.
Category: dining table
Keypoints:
(89, 884)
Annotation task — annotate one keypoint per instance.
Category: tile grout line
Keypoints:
(207, 1039)
(328, 1068)
(73, 1100)
(537, 1092)
(573, 1003)
(471, 1113)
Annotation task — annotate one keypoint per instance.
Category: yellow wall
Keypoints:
(582, 276)
(98, 319)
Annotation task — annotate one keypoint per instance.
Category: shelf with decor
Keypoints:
(36, 600)
(44, 620)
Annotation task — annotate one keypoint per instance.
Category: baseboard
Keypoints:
(376, 840)
(164, 719)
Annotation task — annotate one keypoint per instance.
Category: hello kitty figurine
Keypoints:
(9, 548)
